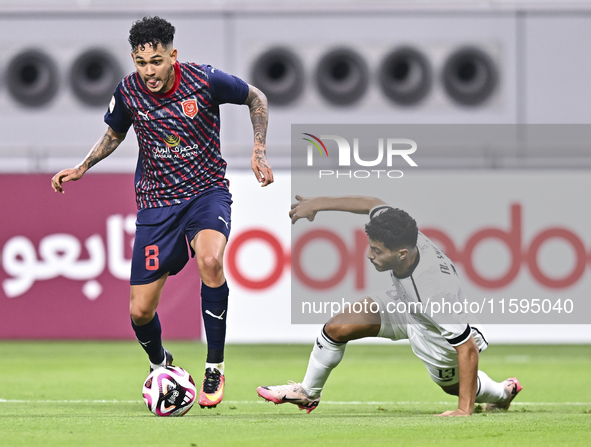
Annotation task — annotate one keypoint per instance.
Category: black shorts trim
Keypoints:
(461, 339)
(482, 335)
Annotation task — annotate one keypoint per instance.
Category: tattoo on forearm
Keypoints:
(102, 149)
(259, 115)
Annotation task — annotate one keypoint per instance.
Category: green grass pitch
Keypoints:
(89, 394)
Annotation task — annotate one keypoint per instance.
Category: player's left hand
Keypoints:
(261, 167)
(454, 413)
(66, 175)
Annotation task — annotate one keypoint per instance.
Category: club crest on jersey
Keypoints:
(190, 108)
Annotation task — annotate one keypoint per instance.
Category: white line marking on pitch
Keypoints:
(22, 401)
(81, 401)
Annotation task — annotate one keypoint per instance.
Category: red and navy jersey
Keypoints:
(178, 133)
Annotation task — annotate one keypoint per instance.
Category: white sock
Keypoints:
(161, 364)
(489, 391)
(218, 366)
(326, 355)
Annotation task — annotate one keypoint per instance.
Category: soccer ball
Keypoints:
(169, 391)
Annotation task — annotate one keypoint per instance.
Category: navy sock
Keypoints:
(214, 304)
(150, 337)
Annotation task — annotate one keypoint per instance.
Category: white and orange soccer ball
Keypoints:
(169, 391)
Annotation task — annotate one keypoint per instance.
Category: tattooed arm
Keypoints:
(259, 116)
(103, 148)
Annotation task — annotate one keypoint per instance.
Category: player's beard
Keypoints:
(166, 79)
(169, 76)
(376, 266)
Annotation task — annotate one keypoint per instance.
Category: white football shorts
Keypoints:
(438, 355)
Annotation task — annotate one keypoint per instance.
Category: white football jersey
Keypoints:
(416, 306)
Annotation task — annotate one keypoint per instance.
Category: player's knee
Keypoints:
(338, 332)
(211, 266)
(140, 315)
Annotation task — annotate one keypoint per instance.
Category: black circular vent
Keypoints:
(278, 72)
(94, 76)
(470, 76)
(405, 76)
(32, 78)
(342, 76)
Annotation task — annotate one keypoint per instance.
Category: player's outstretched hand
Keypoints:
(455, 413)
(64, 176)
(261, 167)
(303, 209)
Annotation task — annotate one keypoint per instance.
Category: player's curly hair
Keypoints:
(394, 228)
(150, 30)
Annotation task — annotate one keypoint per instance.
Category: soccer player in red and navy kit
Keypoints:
(181, 190)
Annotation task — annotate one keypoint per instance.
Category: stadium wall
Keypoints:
(336, 62)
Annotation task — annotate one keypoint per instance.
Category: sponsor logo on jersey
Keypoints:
(172, 140)
(112, 104)
(190, 108)
(170, 152)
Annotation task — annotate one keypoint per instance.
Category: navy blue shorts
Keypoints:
(163, 235)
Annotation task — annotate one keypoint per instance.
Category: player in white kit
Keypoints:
(421, 274)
